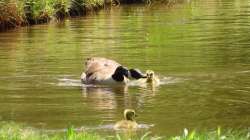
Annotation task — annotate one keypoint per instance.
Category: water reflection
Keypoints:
(104, 97)
(200, 48)
(114, 97)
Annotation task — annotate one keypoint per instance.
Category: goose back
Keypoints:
(99, 70)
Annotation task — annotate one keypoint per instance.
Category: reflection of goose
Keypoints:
(128, 122)
(104, 98)
(100, 98)
(105, 71)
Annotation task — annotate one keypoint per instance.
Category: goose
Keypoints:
(128, 122)
(106, 71)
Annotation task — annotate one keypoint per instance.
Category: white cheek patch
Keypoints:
(129, 75)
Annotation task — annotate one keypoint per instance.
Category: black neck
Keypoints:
(119, 74)
(118, 77)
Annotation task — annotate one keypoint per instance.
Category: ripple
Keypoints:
(107, 127)
(77, 83)
(69, 82)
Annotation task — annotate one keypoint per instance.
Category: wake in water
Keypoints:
(69, 82)
(106, 127)
(77, 82)
(111, 127)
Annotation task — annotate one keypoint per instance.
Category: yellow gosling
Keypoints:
(152, 78)
(128, 122)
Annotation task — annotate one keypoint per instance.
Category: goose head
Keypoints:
(129, 114)
(150, 75)
(136, 74)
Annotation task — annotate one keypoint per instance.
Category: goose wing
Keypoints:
(99, 69)
(101, 62)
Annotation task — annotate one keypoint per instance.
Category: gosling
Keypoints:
(128, 122)
(152, 78)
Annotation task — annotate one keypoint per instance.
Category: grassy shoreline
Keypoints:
(16, 13)
(13, 131)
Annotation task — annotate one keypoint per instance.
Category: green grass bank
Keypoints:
(16, 13)
(13, 131)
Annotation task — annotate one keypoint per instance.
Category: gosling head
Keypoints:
(150, 75)
(129, 114)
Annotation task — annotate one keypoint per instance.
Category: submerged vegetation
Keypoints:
(14, 13)
(13, 131)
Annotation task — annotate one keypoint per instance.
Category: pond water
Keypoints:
(200, 50)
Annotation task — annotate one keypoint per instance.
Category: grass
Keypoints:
(13, 131)
(10, 16)
(214, 135)
(15, 13)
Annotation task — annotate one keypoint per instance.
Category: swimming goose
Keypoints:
(105, 71)
(128, 122)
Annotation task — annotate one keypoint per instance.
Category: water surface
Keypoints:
(200, 49)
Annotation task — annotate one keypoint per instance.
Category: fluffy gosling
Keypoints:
(128, 122)
(152, 78)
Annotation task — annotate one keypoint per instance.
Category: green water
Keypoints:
(200, 50)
